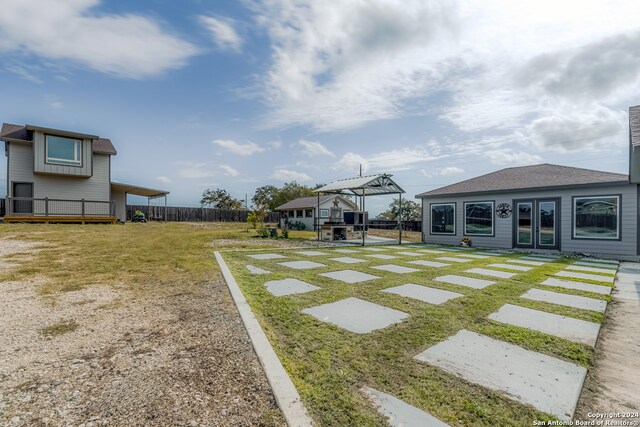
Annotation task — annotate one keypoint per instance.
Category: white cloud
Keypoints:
(229, 171)
(163, 179)
(446, 171)
(394, 160)
(196, 170)
(289, 175)
(222, 31)
(351, 162)
(512, 158)
(125, 45)
(247, 149)
(314, 149)
(275, 144)
(23, 72)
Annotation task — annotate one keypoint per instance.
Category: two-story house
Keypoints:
(61, 176)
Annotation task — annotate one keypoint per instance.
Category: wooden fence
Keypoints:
(393, 225)
(181, 214)
(2, 207)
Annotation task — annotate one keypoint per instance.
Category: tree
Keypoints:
(269, 197)
(264, 197)
(220, 199)
(411, 211)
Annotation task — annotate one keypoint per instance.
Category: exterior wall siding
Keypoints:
(308, 222)
(503, 227)
(40, 165)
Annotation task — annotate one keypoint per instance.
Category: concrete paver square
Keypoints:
(590, 269)
(348, 260)
(511, 267)
(429, 263)
(381, 256)
(600, 261)
(464, 281)
(492, 273)
(346, 251)
(423, 293)
(349, 276)
(454, 259)
(474, 256)
(570, 284)
(576, 275)
(310, 253)
(301, 265)
(490, 253)
(566, 300)
(553, 324)
(288, 287)
(356, 315)
(266, 256)
(597, 264)
(429, 251)
(451, 249)
(410, 253)
(374, 249)
(256, 270)
(526, 262)
(399, 413)
(536, 258)
(549, 384)
(395, 268)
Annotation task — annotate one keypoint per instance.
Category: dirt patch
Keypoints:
(180, 359)
(613, 383)
(8, 248)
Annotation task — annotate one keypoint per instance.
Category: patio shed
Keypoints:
(542, 207)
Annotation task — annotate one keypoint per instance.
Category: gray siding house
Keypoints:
(542, 207)
(61, 175)
(304, 209)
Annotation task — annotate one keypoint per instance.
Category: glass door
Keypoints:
(536, 224)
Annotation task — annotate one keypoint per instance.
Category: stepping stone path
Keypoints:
(566, 300)
(429, 263)
(597, 264)
(382, 256)
(590, 269)
(356, 315)
(536, 258)
(526, 262)
(288, 287)
(348, 260)
(464, 281)
(490, 253)
(570, 284)
(410, 253)
(374, 249)
(346, 251)
(492, 273)
(454, 259)
(549, 384)
(450, 250)
(349, 276)
(601, 261)
(256, 270)
(266, 256)
(423, 293)
(301, 265)
(310, 253)
(395, 268)
(398, 412)
(574, 275)
(553, 324)
(429, 251)
(511, 267)
(475, 256)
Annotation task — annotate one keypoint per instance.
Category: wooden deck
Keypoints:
(76, 219)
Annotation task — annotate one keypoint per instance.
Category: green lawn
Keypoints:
(329, 364)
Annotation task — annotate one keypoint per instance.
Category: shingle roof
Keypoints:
(305, 202)
(528, 178)
(18, 132)
(634, 125)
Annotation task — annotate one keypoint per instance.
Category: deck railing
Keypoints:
(28, 206)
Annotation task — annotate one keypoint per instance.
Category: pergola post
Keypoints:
(400, 218)
(318, 217)
(165, 208)
(364, 219)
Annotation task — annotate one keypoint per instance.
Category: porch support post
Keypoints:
(364, 219)
(318, 216)
(400, 218)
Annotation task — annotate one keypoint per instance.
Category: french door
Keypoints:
(536, 223)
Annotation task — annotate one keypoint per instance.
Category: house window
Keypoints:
(63, 151)
(596, 217)
(308, 213)
(324, 213)
(299, 214)
(478, 218)
(443, 218)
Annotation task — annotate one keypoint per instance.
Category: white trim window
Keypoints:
(63, 151)
(324, 213)
(443, 218)
(478, 218)
(596, 217)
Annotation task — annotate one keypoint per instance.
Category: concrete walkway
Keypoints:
(613, 384)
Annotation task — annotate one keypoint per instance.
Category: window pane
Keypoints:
(324, 213)
(478, 218)
(596, 217)
(547, 223)
(443, 219)
(64, 151)
(524, 223)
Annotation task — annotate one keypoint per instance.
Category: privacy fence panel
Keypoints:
(393, 225)
(184, 214)
(2, 207)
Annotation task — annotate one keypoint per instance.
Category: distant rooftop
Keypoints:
(529, 178)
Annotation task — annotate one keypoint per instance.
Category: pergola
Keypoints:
(362, 186)
(149, 193)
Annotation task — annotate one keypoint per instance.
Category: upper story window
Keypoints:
(63, 151)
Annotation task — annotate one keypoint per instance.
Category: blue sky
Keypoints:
(239, 94)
